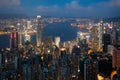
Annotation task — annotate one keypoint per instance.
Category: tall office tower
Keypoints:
(116, 51)
(57, 41)
(0, 59)
(27, 71)
(20, 37)
(90, 69)
(20, 33)
(14, 40)
(97, 32)
(94, 40)
(100, 34)
(116, 58)
(117, 38)
(106, 41)
(39, 31)
(28, 24)
(16, 62)
(27, 37)
(78, 34)
(47, 42)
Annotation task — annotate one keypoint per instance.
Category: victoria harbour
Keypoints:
(59, 39)
(64, 30)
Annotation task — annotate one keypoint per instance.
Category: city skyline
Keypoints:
(62, 8)
(49, 48)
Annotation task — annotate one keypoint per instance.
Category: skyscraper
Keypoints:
(117, 38)
(39, 31)
(20, 37)
(13, 39)
(94, 38)
(106, 41)
(97, 32)
(116, 51)
(57, 41)
(100, 33)
(0, 59)
(90, 69)
(19, 33)
(28, 24)
(116, 58)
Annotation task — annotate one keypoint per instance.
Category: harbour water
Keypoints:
(62, 29)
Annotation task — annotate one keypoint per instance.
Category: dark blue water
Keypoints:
(60, 29)
(63, 30)
(4, 41)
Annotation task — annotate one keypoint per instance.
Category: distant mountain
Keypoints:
(114, 19)
(12, 16)
(110, 19)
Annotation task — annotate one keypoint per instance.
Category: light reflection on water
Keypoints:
(56, 29)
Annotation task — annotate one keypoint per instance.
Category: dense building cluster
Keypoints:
(94, 55)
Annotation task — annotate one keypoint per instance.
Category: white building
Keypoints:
(57, 41)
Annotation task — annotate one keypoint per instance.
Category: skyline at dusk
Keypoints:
(62, 8)
(59, 39)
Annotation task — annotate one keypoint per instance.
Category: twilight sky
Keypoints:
(62, 8)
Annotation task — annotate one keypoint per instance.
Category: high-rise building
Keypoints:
(106, 42)
(90, 69)
(20, 37)
(116, 51)
(100, 34)
(28, 24)
(97, 32)
(16, 62)
(94, 40)
(57, 41)
(110, 49)
(27, 38)
(14, 40)
(27, 71)
(39, 31)
(116, 58)
(20, 33)
(0, 59)
(117, 38)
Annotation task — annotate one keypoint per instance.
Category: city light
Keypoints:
(38, 16)
(36, 49)
(100, 77)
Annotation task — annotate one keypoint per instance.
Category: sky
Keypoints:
(62, 8)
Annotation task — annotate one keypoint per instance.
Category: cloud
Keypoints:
(111, 3)
(69, 9)
(109, 8)
(53, 10)
(9, 2)
(12, 10)
(48, 8)
(75, 6)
